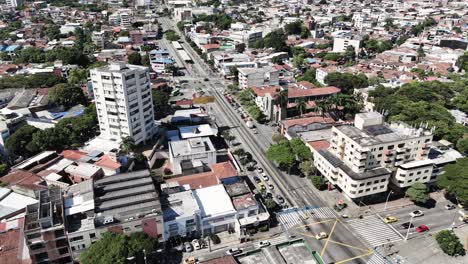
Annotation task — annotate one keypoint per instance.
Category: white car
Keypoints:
(416, 213)
(196, 244)
(234, 251)
(264, 243)
(270, 186)
(264, 177)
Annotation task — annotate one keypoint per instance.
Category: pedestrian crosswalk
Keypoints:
(377, 259)
(374, 230)
(295, 216)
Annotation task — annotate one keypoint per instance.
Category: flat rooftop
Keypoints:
(214, 201)
(179, 204)
(191, 146)
(384, 133)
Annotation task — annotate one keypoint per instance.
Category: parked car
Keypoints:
(255, 131)
(280, 199)
(260, 170)
(262, 186)
(188, 247)
(263, 244)
(450, 206)
(416, 213)
(196, 244)
(321, 235)
(390, 219)
(257, 179)
(406, 225)
(422, 228)
(271, 187)
(233, 251)
(265, 177)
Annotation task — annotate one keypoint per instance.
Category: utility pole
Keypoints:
(409, 226)
(386, 202)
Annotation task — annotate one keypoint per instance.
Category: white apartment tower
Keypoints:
(364, 158)
(14, 3)
(123, 100)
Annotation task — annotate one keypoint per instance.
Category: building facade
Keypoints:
(364, 158)
(191, 155)
(258, 77)
(123, 101)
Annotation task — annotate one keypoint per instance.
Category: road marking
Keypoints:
(374, 231)
(346, 245)
(328, 238)
(315, 223)
(360, 256)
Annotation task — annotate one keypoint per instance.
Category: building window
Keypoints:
(419, 172)
(368, 189)
(381, 148)
(375, 188)
(360, 191)
(426, 171)
(391, 147)
(76, 238)
(92, 235)
(383, 180)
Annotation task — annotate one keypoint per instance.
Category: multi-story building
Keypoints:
(99, 39)
(44, 229)
(123, 101)
(258, 77)
(342, 44)
(364, 158)
(191, 155)
(14, 3)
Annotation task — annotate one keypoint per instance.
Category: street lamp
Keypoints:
(409, 226)
(385, 208)
(454, 215)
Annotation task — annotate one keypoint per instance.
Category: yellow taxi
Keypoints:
(390, 219)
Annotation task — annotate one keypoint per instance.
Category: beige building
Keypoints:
(364, 158)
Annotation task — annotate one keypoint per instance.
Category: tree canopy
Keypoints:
(285, 153)
(117, 247)
(347, 81)
(17, 143)
(455, 180)
(67, 95)
(38, 80)
(418, 193)
(275, 39)
(449, 243)
(134, 58)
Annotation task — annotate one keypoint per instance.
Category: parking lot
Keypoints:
(253, 258)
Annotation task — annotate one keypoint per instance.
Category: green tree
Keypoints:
(127, 145)
(319, 182)
(282, 154)
(298, 61)
(455, 180)
(161, 101)
(462, 62)
(78, 76)
(228, 137)
(67, 95)
(145, 61)
(420, 52)
(134, 58)
(171, 35)
(462, 145)
(117, 247)
(53, 31)
(270, 204)
(309, 76)
(307, 168)
(3, 169)
(277, 138)
(301, 106)
(418, 193)
(17, 143)
(347, 81)
(300, 150)
(449, 243)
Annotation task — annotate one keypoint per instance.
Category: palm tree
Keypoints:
(301, 106)
(127, 145)
(282, 98)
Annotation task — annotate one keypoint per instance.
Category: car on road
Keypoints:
(450, 207)
(417, 213)
(321, 235)
(390, 219)
(260, 170)
(262, 186)
(190, 260)
(271, 187)
(422, 228)
(188, 247)
(255, 131)
(264, 243)
(280, 199)
(406, 225)
(196, 244)
(264, 177)
(234, 251)
(257, 179)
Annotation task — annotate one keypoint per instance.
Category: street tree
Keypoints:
(455, 180)
(319, 182)
(17, 143)
(300, 150)
(418, 193)
(277, 138)
(228, 136)
(449, 243)
(307, 168)
(67, 95)
(134, 58)
(281, 154)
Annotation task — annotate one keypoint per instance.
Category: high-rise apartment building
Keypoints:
(44, 229)
(14, 3)
(123, 100)
(363, 159)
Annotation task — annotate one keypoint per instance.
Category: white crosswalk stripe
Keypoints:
(374, 230)
(377, 259)
(292, 217)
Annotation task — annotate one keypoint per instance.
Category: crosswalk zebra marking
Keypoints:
(293, 217)
(377, 259)
(374, 230)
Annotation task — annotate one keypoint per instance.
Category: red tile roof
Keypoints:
(272, 90)
(12, 244)
(306, 85)
(307, 121)
(294, 92)
(211, 46)
(21, 177)
(107, 162)
(221, 260)
(207, 179)
(73, 154)
(184, 102)
(319, 144)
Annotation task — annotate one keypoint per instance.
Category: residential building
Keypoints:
(258, 77)
(44, 229)
(342, 44)
(265, 99)
(99, 39)
(364, 158)
(14, 3)
(123, 101)
(14, 248)
(191, 155)
(181, 215)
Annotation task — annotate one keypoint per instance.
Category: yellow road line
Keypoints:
(360, 256)
(315, 223)
(328, 239)
(346, 245)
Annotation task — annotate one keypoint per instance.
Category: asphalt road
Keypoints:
(296, 191)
